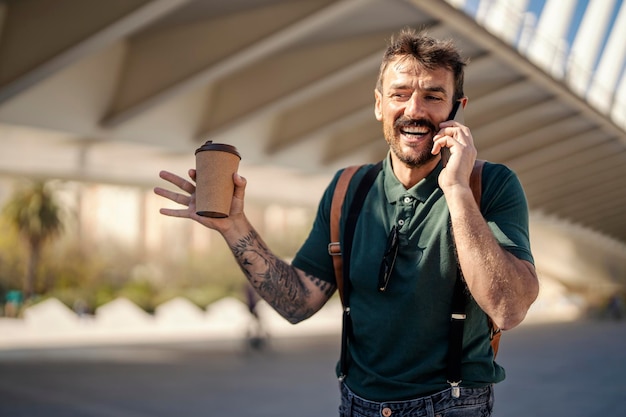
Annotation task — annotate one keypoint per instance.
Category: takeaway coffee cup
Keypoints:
(215, 165)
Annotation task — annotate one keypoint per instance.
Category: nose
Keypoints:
(414, 108)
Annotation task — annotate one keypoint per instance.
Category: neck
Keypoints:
(411, 175)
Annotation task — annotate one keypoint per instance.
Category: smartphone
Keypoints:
(457, 112)
(457, 115)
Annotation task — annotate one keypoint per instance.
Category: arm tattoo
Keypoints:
(326, 287)
(275, 280)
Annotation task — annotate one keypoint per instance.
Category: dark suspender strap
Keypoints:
(457, 320)
(346, 250)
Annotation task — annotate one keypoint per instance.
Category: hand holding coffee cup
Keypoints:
(216, 163)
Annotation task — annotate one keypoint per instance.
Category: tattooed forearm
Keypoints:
(326, 287)
(275, 280)
(283, 289)
(249, 251)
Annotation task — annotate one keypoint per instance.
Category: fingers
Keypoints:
(174, 212)
(444, 139)
(180, 182)
(174, 196)
(182, 199)
(457, 132)
(453, 134)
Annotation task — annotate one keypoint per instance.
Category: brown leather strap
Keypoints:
(476, 181)
(495, 337)
(476, 186)
(334, 248)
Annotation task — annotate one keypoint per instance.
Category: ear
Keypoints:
(464, 102)
(378, 111)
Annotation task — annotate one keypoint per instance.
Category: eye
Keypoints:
(400, 96)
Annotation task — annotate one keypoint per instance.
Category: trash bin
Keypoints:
(14, 300)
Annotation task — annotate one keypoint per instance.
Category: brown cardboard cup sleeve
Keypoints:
(215, 165)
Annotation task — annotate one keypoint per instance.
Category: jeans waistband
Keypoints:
(418, 407)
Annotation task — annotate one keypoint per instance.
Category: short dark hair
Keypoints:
(428, 52)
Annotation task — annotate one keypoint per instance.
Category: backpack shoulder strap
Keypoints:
(334, 247)
(343, 279)
(476, 185)
(459, 301)
(339, 195)
(476, 180)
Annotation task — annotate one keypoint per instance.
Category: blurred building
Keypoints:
(103, 95)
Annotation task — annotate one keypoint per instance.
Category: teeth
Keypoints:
(414, 132)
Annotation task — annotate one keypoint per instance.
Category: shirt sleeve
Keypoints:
(504, 206)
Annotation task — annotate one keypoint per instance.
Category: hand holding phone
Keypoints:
(457, 115)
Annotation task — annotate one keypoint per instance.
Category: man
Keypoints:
(399, 339)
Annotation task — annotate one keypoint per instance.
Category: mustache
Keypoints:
(408, 122)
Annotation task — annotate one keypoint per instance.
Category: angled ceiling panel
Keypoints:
(290, 83)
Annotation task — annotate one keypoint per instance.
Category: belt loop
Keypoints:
(428, 405)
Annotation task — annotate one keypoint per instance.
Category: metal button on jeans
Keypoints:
(386, 412)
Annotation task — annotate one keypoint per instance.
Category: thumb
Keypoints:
(240, 185)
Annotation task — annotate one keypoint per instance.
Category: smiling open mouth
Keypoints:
(415, 131)
(414, 128)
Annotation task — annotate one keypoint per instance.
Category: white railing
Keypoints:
(592, 62)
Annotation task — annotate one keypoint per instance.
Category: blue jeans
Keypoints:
(473, 402)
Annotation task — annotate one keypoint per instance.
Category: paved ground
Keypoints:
(566, 369)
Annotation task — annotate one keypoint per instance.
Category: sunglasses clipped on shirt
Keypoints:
(389, 259)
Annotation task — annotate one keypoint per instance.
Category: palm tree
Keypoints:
(33, 210)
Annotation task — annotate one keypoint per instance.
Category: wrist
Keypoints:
(235, 228)
(458, 196)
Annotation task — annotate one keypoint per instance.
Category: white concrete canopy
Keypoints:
(114, 91)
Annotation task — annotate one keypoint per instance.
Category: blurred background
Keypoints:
(97, 96)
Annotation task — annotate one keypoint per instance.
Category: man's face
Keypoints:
(412, 103)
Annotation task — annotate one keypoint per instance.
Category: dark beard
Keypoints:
(414, 160)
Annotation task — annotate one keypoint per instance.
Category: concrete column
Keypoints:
(503, 18)
(587, 44)
(607, 75)
(526, 34)
(546, 48)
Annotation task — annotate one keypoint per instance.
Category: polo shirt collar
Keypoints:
(394, 190)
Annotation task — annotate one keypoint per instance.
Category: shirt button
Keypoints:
(386, 412)
(407, 200)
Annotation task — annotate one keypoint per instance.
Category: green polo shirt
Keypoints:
(400, 344)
